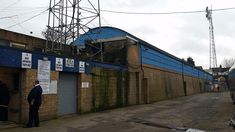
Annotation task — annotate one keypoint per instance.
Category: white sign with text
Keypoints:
(44, 75)
(85, 84)
(69, 62)
(59, 64)
(26, 61)
(81, 67)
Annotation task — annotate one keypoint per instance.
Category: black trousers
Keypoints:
(3, 113)
(33, 115)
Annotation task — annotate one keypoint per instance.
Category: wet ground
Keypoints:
(207, 111)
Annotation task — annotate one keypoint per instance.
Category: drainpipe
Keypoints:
(21, 97)
(185, 92)
(141, 65)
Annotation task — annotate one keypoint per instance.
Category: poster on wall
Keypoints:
(85, 84)
(44, 72)
(69, 62)
(59, 64)
(26, 61)
(81, 67)
(53, 87)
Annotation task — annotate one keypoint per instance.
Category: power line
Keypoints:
(21, 9)
(23, 13)
(19, 24)
(163, 13)
(11, 5)
(106, 21)
(6, 17)
(28, 19)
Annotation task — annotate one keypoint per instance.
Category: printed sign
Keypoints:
(85, 84)
(26, 61)
(44, 71)
(59, 64)
(81, 66)
(53, 87)
(69, 62)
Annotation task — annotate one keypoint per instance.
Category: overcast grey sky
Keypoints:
(182, 35)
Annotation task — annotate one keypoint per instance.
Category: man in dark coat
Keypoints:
(4, 101)
(34, 100)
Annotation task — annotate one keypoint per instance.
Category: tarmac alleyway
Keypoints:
(206, 111)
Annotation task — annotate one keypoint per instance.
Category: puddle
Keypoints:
(194, 130)
(154, 124)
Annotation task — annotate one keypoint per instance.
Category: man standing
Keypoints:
(34, 100)
(4, 102)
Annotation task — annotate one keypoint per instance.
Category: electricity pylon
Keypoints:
(68, 19)
(213, 59)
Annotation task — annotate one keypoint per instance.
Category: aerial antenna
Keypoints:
(67, 19)
(213, 59)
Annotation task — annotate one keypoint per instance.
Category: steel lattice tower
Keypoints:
(67, 19)
(213, 59)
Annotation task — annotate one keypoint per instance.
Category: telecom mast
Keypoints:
(68, 19)
(213, 60)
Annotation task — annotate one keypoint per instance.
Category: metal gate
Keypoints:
(67, 94)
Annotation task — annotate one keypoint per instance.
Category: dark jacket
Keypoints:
(35, 96)
(4, 95)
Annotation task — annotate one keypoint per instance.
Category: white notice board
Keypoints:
(44, 75)
(53, 87)
(26, 61)
(85, 84)
(69, 62)
(59, 64)
(81, 67)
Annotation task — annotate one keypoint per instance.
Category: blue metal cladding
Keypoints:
(108, 66)
(187, 69)
(99, 33)
(71, 69)
(10, 57)
(39, 56)
(202, 74)
(150, 55)
(161, 60)
(155, 58)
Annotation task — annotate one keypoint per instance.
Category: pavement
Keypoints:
(205, 112)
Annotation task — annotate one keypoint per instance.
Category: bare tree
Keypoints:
(227, 63)
(190, 61)
(54, 35)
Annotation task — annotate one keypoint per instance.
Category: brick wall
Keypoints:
(11, 76)
(133, 89)
(85, 94)
(189, 85)
(163, 84)
(112, 92)
(48, 109)
(108, 89)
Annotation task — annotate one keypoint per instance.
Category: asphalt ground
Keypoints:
(206, 112)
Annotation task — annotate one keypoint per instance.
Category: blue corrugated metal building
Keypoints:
(149, 54)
